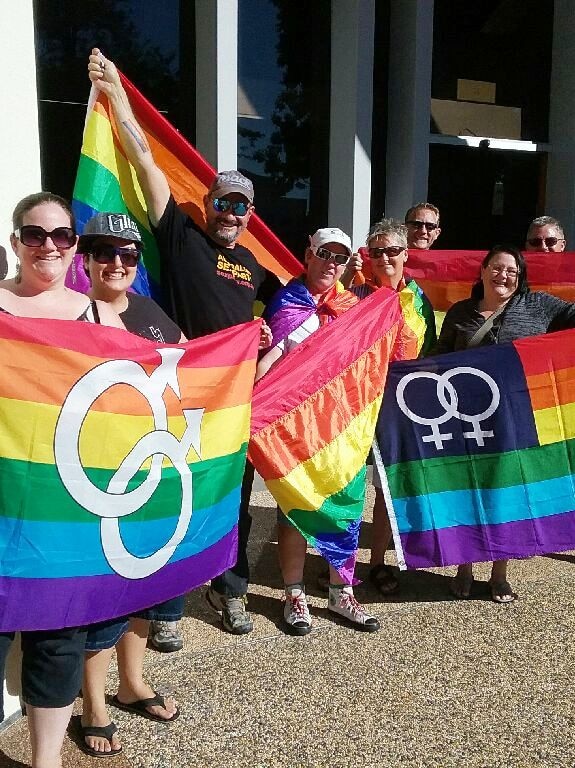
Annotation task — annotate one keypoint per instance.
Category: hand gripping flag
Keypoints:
(313, 421)
(478, 448)
(107, 182)
(121, 463)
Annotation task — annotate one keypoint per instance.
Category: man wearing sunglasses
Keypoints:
(545, 234)
(210, 282)
(422, 222)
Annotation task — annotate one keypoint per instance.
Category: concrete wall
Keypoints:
(19, 146)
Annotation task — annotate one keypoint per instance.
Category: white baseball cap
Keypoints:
(330, 235)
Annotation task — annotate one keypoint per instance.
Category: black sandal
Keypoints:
(103, 732)
(383, 577)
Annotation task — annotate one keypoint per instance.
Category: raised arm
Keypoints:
(105, 77)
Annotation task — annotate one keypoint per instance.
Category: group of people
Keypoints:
(212, 281)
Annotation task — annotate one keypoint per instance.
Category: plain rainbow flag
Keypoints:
(479, 449)
(448, 276)
(121, 463)
(313, 421)
(107, 182)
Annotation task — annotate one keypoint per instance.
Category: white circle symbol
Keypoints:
(447, 397)
(115, 502)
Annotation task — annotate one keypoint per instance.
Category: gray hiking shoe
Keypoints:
(165, 636)
(235, 618)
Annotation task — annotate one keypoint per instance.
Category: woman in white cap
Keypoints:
(293, 314)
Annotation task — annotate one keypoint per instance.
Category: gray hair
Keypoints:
(388, 227)
(546, 221)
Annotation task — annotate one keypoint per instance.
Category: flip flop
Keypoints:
(140, 707)
(501, 592)
(461, 587)
(102, 731)
(382, 577)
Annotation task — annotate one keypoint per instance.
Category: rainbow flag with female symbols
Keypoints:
(121, 463)
(477, 453)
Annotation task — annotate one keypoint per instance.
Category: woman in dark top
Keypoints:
(111, 246)
(503, 294)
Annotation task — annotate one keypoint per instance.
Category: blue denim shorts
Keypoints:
(107, 633)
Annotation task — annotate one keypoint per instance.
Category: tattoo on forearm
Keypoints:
(137, 135)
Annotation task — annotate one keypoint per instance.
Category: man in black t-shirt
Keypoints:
(211, 283)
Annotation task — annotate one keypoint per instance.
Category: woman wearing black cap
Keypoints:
(112, 247)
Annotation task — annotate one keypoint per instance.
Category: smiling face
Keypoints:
(112, 279)
(225, 228)
(44, 266)
(387, 267)
(422, 229)
(500, 277)
(321, 275)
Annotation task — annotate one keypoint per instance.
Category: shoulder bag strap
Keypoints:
(482, 332)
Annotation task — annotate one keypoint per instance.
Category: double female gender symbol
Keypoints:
(115, 502)
(447, 396)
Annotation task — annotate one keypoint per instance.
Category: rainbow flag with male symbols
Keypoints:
(106, 182)
(478, 452)
(121, 463)
(313, 421)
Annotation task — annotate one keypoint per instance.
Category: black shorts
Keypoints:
(52, 665)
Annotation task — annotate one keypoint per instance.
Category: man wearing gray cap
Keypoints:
(211, 282)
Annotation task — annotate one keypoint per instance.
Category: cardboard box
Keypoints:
(463, 118)
(476, 90)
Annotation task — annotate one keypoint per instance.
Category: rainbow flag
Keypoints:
(313, 421)
(448, 276)
(121, 463)
(107, 182)
(478, 449)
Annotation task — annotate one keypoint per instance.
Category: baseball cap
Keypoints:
(232, 181)
(330, 235)
(118, 225)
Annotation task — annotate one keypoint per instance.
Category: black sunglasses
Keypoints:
(429, 225)
(35, 237)
(239, 207)
(392, 252)
(106, 254)
(339, 258)
(550, 242)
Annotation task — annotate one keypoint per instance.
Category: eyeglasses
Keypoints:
(35, 237)
(392, 252)
(239, 208)
(429, 225)
(339, 258)
(106, 254)
(550, 242)
(512, 273)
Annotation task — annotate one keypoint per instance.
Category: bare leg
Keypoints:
(501, 591)
(131, 649)
(47, 731)
(381, 530)
(463, 581)
(94, 712)
(291, 548)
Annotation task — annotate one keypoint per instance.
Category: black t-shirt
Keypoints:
(145, 318)
(206, 287)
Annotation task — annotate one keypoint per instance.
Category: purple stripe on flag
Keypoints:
(71, 602)
(481, 543)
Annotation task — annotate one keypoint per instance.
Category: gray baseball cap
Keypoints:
(232, 181)
(118, 225)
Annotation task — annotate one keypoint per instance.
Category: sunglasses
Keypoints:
(239, 208)
(550, 242)
(392, 252)
(429, 225)
(35, 237)
(106, 254)
(339, 258)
